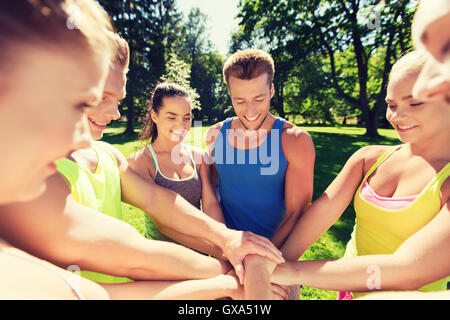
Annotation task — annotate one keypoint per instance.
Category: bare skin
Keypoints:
(431, 32)
(71, 222)
(251, 100)
(37, 274)
(422, 258)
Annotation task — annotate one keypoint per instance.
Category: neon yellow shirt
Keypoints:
(99, 190)
(382, 231)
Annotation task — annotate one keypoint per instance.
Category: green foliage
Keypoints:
(179, 72)
(205, 67)
(164, 46)
(351, 46)
(151, 27)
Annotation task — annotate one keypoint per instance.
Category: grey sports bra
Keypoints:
(189, 188)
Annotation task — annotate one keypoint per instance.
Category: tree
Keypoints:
(300, 29)
(205, 66)
(150, 27)
(179, 72)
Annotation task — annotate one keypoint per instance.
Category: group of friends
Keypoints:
(239, 212)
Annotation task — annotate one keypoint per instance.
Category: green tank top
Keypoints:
(100, 191)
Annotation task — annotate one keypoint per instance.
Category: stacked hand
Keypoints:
(239, 244)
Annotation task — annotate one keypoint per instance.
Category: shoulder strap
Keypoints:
(226, 124)
(279, 123)
(98, 147)
(68, 169)
(380, 160)
(222, 136)
(155, 159)
(443, 174)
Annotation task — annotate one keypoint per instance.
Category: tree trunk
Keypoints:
(129, 99)
(278, 105)
(371, 124)
(130, 116)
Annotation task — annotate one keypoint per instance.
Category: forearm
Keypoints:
(214, 211)
(213, 288)
(359, 274)
(159, 260)
(118, 249)
(257, 284)
(197, 244)
(171, 210)
(283, 231)
(312, 224)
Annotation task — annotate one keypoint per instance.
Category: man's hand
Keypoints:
(239, 244)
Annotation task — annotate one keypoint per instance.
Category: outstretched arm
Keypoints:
(218, 287)
(324, 212)
(300, 154)
(421, 259)
(42, 280)
(57, 228)
(170, 209)
(210, 205)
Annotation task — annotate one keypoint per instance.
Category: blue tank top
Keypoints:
(252, 182)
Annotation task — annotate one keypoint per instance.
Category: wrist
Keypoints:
(221, 235)
(230, 286)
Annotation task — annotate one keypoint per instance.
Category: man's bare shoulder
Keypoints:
(294, 132)
(297, 142)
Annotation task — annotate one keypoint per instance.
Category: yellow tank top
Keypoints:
(381, 231)
(99, 190)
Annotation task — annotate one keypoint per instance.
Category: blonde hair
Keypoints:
(121, 56)
(427, 12)
(409, 64)
(249, 64)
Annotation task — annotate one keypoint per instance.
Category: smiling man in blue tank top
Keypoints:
(264, 165)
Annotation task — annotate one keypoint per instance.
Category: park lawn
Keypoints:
(334, 145)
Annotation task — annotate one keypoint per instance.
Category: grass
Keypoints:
(333, 147)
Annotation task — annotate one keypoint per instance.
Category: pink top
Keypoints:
(368, 194)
